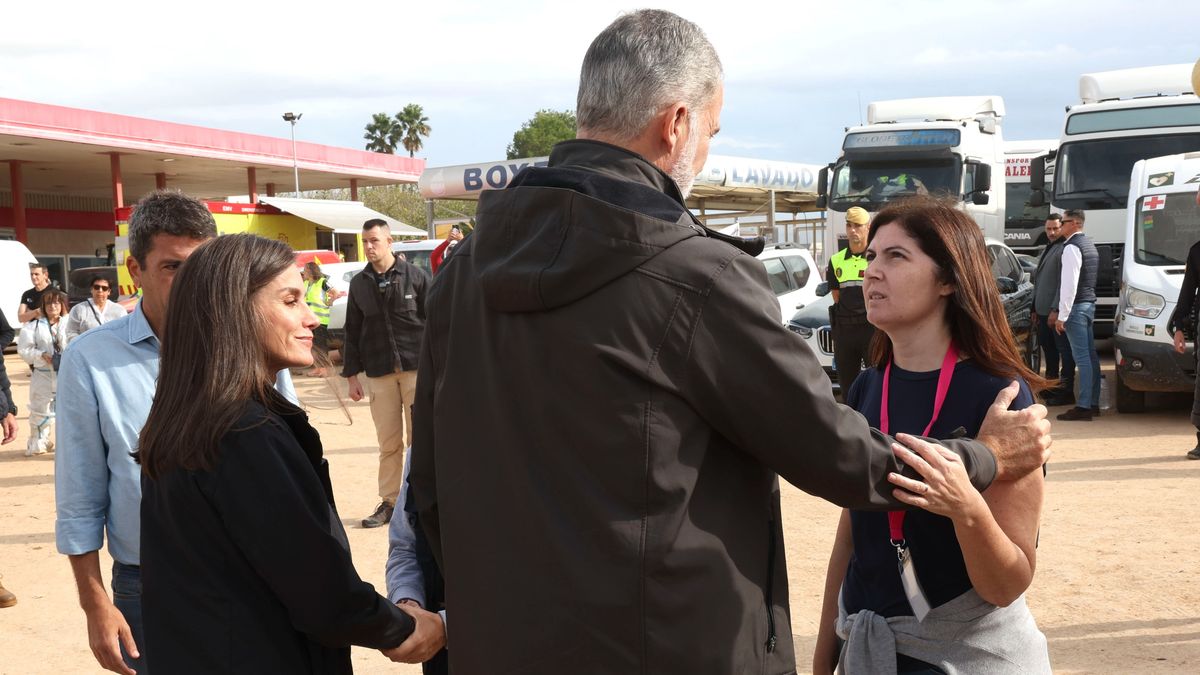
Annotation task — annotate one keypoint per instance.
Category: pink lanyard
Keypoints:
(896, 518)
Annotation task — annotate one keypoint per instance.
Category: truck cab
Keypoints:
(1161, 224)
(1024, 221)
(1123, 116)
(950, 146)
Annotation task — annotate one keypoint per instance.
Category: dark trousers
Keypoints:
(1049, 347)
(850, 344)
(127, 596)
(1067, 369)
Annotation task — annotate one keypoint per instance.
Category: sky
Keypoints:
(796, 73)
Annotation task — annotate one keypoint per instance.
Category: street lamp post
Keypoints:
(293, 118)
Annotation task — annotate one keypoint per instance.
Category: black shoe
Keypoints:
(1077, 414)
(381, 517)
(1194, 453)
(1095, 411)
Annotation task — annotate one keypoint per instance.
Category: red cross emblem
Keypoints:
(1154, 203)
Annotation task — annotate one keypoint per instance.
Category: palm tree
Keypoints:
(383, 134)
(413, 126)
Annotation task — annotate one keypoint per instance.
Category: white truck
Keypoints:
(1024, 223)
(1161, 224)
(1123, 116)
(947, 145)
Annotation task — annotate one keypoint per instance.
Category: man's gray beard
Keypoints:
(682, 171)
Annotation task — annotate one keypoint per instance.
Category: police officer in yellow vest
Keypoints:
(319, 295)
(848, 315)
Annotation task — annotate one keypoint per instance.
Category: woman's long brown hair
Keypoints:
(212, 360)
(978, 324)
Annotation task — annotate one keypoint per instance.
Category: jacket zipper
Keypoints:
(771, 638)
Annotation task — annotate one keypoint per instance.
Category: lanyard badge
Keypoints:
(908, 572)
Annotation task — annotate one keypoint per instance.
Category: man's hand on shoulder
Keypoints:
(1019, 439)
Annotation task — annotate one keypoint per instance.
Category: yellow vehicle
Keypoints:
(261, 219)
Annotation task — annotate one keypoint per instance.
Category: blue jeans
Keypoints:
(1083, 350)
(127, 596)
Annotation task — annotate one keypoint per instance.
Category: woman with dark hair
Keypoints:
(245, 564)
(41, 343)
(96, 311)
(938, 588)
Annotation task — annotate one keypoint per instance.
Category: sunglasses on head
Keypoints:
(98, 287)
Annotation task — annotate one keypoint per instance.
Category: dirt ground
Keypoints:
(1117, 588)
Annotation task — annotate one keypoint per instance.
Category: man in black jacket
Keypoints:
(385, 321)
(612, 505)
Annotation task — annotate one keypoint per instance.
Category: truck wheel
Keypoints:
(1129, 400)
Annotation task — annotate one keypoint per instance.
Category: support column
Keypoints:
(771, 213)
(118, 188)
(353, 189)
(252, 183)
(18, 201)
(160, 180)
(270, 189)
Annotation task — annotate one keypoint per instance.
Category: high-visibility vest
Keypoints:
(314, 296)
(849, 269)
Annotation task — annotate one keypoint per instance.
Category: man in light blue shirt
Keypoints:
(409, 573)
(106, 385)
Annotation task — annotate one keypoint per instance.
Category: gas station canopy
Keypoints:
(84, 153)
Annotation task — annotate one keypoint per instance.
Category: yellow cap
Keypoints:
(857, 215)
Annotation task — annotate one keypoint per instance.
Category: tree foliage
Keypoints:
(536, 137)
(415, 125)
(408, 128)
(382, 134)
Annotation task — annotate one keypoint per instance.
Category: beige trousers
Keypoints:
(391, 409)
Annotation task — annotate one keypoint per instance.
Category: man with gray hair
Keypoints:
(611, 503)
(105, 387)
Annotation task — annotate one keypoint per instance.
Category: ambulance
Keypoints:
(1161, 224)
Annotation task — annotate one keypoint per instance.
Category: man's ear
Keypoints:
(134, 269)
(673, 127)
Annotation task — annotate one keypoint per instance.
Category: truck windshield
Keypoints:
(1017, 211)
(1095, 174)
(1165, 227)
(863, 182)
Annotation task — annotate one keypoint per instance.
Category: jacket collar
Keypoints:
(612, 160)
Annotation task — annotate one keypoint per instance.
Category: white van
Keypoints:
(15, 260)
(793, 275)
(1162, 222)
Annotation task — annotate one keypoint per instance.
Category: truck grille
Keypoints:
(825, 339)
(1108, 286)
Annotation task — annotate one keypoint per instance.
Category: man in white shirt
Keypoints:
(1077, 311)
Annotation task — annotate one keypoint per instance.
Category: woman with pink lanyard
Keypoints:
(938, 588)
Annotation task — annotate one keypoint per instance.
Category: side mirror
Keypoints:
(1037, 197)
(980, 198)
(1006, 285)
(823, 182)
(1037, 172)
(822, 289)
(983, 179)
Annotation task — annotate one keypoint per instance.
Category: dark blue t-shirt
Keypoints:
(872, 579)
